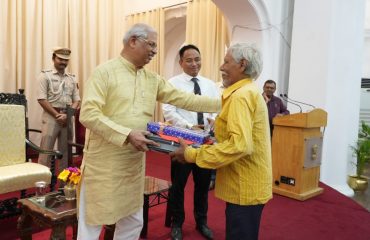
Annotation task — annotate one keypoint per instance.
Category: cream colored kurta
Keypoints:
(117, 99)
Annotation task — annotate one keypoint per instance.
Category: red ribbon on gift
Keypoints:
(176, 139)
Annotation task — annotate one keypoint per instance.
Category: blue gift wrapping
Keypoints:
(196, 136)
(153, 127)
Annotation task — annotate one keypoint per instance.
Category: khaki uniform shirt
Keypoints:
(58, 90)
(117, 98)
(243, 153)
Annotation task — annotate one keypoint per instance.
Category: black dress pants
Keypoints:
(179, 176)
(243, 222)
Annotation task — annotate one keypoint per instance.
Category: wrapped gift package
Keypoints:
(166, 146)
(194, 136)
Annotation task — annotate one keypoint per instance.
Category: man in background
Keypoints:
(242, 155)
(119, 100)
(190, 81)
(275, 105)
(57, 89)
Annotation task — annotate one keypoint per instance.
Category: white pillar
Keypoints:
(325, 70)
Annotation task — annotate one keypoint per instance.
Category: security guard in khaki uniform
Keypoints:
(57, 89)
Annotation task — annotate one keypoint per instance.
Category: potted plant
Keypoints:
(361, 150)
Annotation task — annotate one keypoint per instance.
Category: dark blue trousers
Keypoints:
(243, 222)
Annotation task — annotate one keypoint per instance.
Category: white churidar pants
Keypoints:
(127, 228)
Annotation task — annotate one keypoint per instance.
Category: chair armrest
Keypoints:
(30, 152)
(33, 130)
(57, 154)
(76, 144)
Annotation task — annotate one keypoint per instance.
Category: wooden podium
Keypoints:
(296, 154)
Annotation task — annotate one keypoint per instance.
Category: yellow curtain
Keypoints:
(207, 29)
(92, 29)
(154, 18)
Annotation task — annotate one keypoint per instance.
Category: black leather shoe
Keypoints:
(176, 233)
(205, 231)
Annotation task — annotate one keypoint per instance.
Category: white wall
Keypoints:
(366, 52)
(366, 55)
(175, 27)
(244, 24)
(325, 71)
(268, 24)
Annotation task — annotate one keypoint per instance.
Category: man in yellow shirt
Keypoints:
(242, 155)
(119, 100)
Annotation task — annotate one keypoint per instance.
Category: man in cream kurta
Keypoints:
(119, 100)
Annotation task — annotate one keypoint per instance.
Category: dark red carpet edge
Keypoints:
(330, 215)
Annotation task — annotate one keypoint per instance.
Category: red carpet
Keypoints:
(328, 216)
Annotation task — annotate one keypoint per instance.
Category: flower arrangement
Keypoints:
(71, 175)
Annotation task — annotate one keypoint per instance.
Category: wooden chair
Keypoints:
(75, 142)
(20, 99)
(16, 173)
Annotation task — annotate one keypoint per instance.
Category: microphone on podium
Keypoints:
(286, 96)
(286, 99)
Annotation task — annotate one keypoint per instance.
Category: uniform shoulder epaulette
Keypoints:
(46, 70)
(71, 75)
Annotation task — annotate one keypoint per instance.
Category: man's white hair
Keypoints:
(250, 53)
(138, 30)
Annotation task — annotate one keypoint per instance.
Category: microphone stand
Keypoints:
(286, 99)
(286, 96)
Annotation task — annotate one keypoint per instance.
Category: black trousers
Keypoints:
(179, 176)
(243, 222)
(213, 174)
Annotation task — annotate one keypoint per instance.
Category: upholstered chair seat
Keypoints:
(15, 173)
(22, 176)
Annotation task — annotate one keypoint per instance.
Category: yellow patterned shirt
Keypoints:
(242, 155)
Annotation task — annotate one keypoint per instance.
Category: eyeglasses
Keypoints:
(151, 44)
